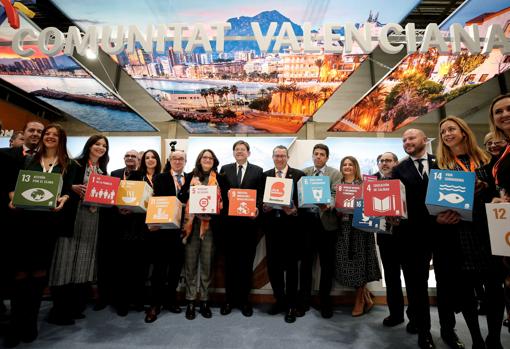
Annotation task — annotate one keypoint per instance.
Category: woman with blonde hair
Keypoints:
(356, 257)
(471, 261)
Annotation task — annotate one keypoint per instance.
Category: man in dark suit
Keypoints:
(320, 235)
(283, 240)
(416, 234)
(12, 159)
(131, 162)
(390, 251)
(166, 247)
(240, 233)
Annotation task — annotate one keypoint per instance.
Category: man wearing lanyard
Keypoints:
(131, 162)
(240, 233)
(165, 247)
(418, 242)
(283, 240)
(320, 235)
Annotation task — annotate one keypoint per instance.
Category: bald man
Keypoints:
(416, 234)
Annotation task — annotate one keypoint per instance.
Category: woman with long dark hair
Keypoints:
(471, 261)
(356, 256)
(35, 239)
(198, 234)
(73, 267)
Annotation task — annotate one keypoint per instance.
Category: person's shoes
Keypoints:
(99, 306)
(493, 343)
(452, 340)
(425, 341)
(226, 308)
(359, 302)
(392, 321)
(190, 311)
(411, 328)
(369, 302)
(506, 322)
(174, 308)
(205, 310)
(151, 314)
(276, 309)
(290, 315)
(247, 310)
(122, 311)
(327, 311)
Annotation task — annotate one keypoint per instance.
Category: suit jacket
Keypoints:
(328, 217)
(293, 174)
(251, 180)
(416, 191)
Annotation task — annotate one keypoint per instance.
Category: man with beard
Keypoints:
(416, 234)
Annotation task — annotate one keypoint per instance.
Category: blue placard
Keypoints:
(451, 190)
(314, 190)
(366, 223)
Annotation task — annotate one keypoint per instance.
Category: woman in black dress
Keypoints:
(34, 241)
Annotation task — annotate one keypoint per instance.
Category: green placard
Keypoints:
(37, 190)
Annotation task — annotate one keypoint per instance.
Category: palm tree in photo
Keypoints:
(234, 91)
(212, 93)
(226, 91)
(319, 63)
(326, 92)
(205, 93)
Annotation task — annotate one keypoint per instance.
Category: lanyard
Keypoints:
(472, 165)
(498, 163)
(149, 178)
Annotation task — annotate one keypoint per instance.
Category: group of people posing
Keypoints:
(76, 244)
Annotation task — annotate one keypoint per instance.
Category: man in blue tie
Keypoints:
(320, 235)
(240, 234)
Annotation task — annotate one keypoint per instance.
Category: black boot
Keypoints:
(30, 331)
(59, 313)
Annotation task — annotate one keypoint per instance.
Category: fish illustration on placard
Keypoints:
(451, 198)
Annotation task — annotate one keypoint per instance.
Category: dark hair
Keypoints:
(281, 147)
(241, 142)
(393, 155)
(83, 158)
(62, 155)
(15, 135)
(143, 166)
(30, 122)
(198, 171)
(321, 146)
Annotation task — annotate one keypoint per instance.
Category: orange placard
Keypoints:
(133, 195)
(164, 212)
(242, 202)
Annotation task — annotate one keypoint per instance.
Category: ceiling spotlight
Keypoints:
(90, 54)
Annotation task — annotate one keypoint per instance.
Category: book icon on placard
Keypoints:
(382, 205)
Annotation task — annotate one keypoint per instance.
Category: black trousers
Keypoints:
(165, 251)
(240, 245)
(317, 241)
(130, 273)
(283, 248)
(390, 250)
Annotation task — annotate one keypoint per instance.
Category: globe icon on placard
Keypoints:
(37, 195)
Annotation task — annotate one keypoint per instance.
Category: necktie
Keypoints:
(239, 175)
(279, 173)
(179, 182)
(317, 173)
(421, 168)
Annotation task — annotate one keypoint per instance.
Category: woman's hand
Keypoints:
(448, 217)
(79, 189)
(60, 202)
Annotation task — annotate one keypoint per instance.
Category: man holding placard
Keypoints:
(283, 232)
(240, 233)
(320, 235)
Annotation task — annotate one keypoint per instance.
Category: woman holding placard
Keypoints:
(74, 261)
(470, 260)
(356, 256)
(35, 240)
(198, 232)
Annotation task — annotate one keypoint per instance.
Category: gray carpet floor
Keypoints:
(104, 329)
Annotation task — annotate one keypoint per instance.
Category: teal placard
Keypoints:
(37, 190)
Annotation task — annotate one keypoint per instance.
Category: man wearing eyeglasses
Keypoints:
(131, 162)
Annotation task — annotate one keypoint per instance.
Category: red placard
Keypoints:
(242, 202)
(345, 196)
(384, 198)
(101, 190)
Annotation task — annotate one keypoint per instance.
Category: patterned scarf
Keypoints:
(188, 218)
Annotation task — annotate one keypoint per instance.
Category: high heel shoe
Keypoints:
(359, 302)
(369, 303)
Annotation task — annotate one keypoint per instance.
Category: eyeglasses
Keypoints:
(382, 161)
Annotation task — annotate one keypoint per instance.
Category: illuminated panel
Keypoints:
(65, 85)
(424, 82)
(241, 90)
